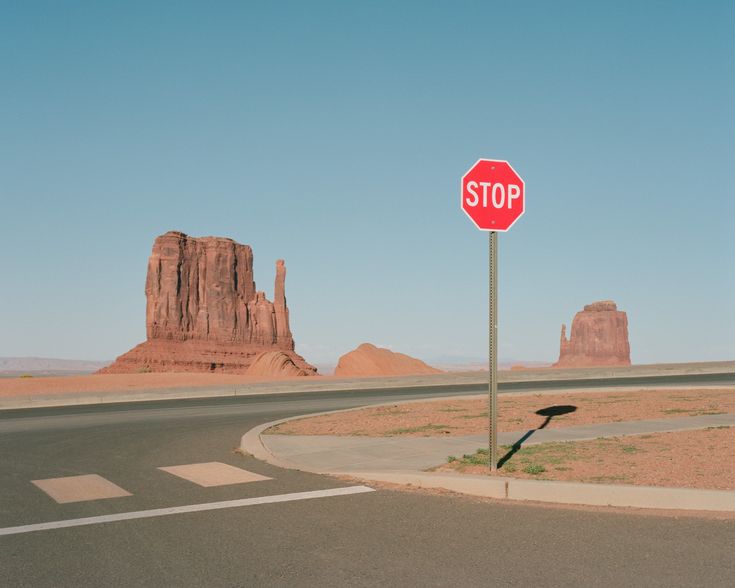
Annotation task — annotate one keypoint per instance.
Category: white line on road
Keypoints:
(162, 512)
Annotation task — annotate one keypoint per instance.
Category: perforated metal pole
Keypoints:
(493, 352)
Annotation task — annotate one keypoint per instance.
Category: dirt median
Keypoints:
(684, 459)
(515, 413)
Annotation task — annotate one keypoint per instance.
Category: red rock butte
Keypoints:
(369, 360)
(599, 338)
(203, 313)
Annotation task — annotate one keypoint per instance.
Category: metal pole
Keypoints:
(493, 352)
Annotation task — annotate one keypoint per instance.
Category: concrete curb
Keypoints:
(615, 495)
(252, 443)
(563, 492)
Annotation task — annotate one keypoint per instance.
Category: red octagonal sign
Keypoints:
(493, 195)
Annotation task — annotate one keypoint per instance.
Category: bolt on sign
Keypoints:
(494, 197)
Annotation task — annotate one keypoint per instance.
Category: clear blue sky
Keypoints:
(334, 135)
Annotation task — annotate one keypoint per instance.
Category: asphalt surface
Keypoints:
(382, 538)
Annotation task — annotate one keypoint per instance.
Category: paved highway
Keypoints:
(384, 537)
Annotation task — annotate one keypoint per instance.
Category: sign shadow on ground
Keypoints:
(549, 412)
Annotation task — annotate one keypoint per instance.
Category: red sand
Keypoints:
(123, 382)
(515, 413)
(684, 459)
(369, 360)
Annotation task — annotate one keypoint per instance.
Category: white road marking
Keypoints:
(161, 512)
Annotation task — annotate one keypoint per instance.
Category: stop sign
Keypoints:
(493, 195)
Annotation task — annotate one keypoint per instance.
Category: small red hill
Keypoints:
(369, 360)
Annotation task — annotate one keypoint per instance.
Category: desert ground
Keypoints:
(516, 412)
(19, 386)
(686, 459)
(104, 383)
(691, 459)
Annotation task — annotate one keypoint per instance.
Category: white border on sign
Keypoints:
(461, 193)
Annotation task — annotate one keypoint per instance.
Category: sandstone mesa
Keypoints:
(204, 314)
(369, 360)
(599, 337)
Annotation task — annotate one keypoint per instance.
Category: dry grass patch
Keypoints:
(689, 459)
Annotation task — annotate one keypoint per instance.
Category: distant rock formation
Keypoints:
(203, 312)
(369, 360)
(599, 338)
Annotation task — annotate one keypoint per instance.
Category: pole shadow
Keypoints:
(549, 412)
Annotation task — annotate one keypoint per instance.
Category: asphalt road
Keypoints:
(381, 538)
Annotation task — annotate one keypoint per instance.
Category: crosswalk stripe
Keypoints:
(161, 512)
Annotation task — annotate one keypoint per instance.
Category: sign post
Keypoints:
(494, 197)
(492, 349)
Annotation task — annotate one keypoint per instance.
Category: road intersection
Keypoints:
(364, 538)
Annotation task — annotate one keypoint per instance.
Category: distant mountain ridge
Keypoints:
(48, 366)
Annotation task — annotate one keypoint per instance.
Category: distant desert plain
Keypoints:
(16, 392)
